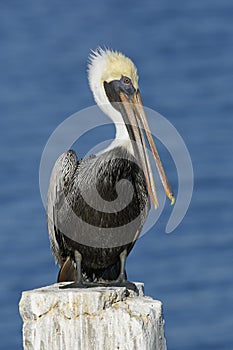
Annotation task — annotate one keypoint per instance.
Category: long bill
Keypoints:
(138, 121)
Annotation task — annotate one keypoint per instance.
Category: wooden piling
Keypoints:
(103, 318)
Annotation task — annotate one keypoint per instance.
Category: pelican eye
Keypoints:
(126, 80)
(126, 85)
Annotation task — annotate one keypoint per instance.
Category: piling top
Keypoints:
(94, 319)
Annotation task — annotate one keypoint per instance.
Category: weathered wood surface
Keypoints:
(91, 319)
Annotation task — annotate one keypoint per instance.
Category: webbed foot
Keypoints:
(117, 283)
(121, 283)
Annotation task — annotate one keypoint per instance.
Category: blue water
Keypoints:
(184, 51)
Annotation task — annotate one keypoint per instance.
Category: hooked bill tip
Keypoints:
(173, 199)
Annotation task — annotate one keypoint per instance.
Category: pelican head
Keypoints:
(113, 80)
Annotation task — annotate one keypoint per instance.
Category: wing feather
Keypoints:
(61, 176)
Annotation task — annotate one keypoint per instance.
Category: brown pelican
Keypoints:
(89, 241)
